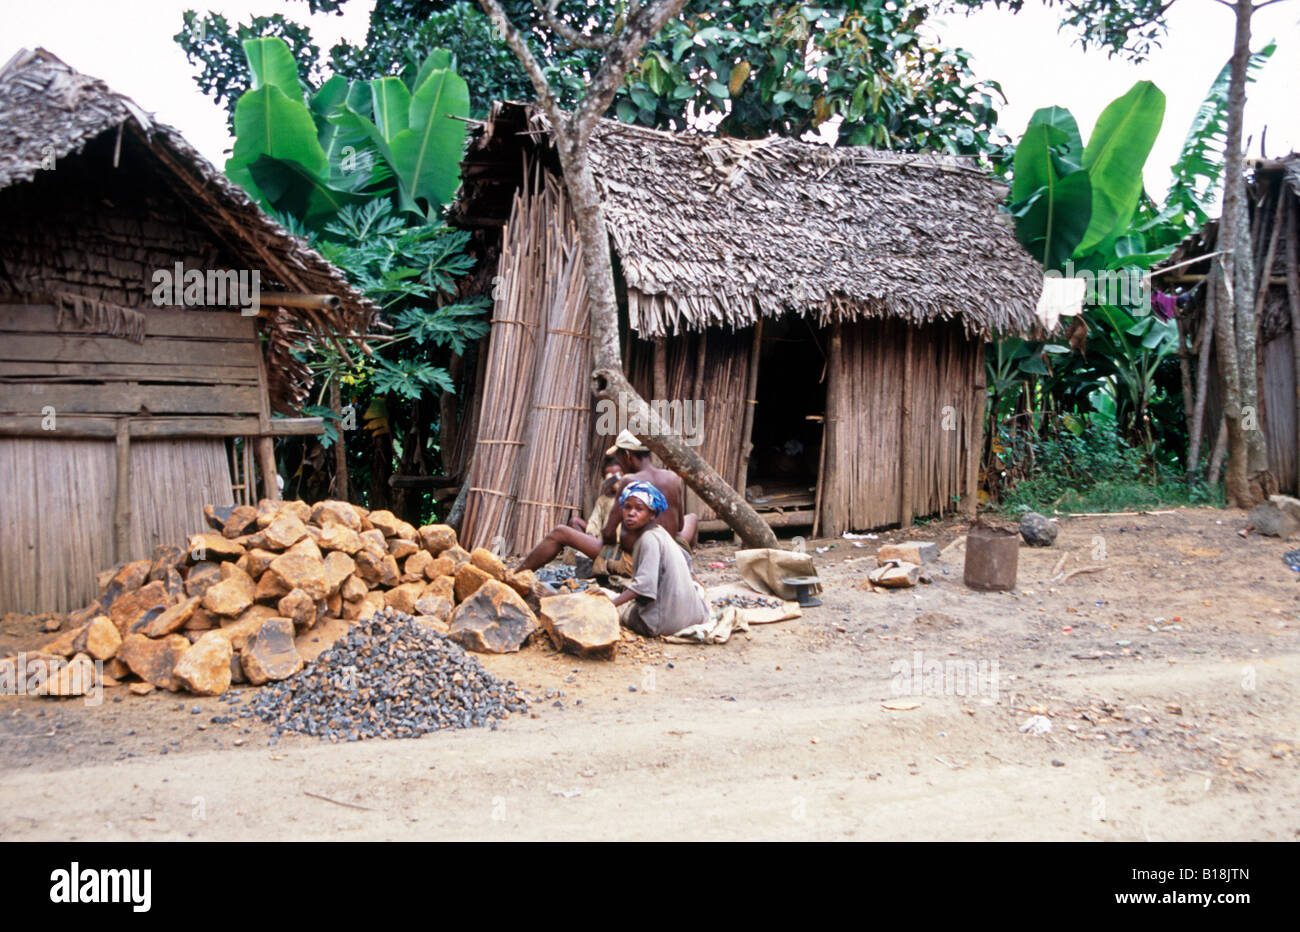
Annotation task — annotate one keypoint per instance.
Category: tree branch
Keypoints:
(626, 45)
(566, 33)
(545, 96)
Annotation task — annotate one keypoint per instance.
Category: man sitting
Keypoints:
(612, 555)
(634, 459)
(662, 597)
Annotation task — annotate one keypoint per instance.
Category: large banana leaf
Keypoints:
(1116, 152)
(295, 191)
(426, 156)
(1050, 223)
(436, 60)
(392, 104)
(268, 123)
(272, 65)
(1071, 152)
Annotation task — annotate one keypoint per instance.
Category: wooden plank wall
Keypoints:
(862, 485)
(58, 511)
(712, 367)
(1280, 415)
(191, 362)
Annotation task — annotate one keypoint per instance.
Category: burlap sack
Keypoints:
(765, 568)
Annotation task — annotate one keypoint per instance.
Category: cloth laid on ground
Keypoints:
(786, 611)
(716, 630)
(764, 568)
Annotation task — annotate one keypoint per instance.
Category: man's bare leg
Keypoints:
(561, 536)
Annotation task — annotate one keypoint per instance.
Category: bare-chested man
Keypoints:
(634, 458)
(612, 553)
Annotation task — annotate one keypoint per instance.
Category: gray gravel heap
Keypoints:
(389, 677)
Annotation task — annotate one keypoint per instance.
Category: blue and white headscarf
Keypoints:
(647, 493)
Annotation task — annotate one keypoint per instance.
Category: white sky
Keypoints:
(128, 43)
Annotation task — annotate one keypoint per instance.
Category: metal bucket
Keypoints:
(992, 557)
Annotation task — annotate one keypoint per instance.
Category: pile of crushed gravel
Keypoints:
(389, 677)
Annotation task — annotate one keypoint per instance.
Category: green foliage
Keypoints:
(1070, 203)
(755, 68)
(375, 132)
(210, 42)
(1087, 471)
(1197, 173)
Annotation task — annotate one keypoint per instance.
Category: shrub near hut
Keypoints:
(238, 602)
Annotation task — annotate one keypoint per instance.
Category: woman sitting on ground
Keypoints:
(662, 597)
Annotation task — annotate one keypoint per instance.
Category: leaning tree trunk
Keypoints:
(1247, 450)
(571, 132)
(610, 382)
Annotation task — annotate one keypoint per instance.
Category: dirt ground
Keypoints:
(875, 716)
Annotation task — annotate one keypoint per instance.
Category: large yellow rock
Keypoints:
(232, 595)
(213, 547)
(173, 618)
(385, 521)
(239, 630)
(338, 567)
(339, 537)
(205, 668)
(271, 654)
(336, 512)
(284, 532)
(100, 638)
(129, 608)
(494, 619)
(154, 660)
(298, 569)
(488, 562)
(377, 570)
(583, 624)
(300, 608)
(436, 538)
(468, 579)
(403, 597)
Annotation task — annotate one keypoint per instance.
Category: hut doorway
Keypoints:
(785, 462)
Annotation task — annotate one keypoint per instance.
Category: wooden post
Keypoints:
(340, 449)
(828, 464)
(905, 436)
(661, 370)
(266, 465)
(1293, 301)
(122, 494)
(975, 435)
(747, 419)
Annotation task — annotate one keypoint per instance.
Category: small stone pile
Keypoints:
(745, 601)
(235, 604)
(389, 677)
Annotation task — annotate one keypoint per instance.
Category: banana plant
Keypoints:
(1071, 200)
(310, 157)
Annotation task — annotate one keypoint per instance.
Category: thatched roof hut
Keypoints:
(123, 404)
(1273, 197)
(788, 287)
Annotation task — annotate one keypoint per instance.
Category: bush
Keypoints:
(1093, 470)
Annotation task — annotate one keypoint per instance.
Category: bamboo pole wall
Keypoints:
(865, 454)
(712, 367)
(58, 510)
(529, 467)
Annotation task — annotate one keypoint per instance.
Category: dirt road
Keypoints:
(876, 716)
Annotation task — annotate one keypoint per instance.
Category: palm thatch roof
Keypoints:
(48, 108)
(713, 231)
